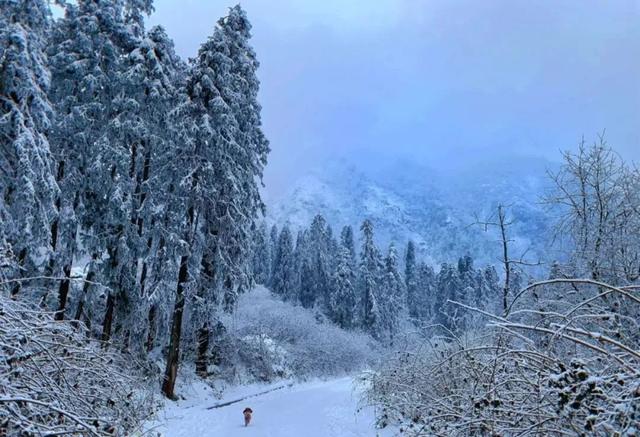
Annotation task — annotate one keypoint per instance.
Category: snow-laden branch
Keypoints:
(54, 380)
(563, 361)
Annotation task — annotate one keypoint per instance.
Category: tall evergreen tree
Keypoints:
(307, 284)
(348, 242)
(284, 275)
(225, 152)
(320, 243)
(152, 79)
(426, 292)
(261, 255)
(448, 287)
(369, 279)
(411, 280)
(301, 255)
(91, 144)
(240, 145)
(27, 186)
(342, 302)
(273, 246)
(392, 295)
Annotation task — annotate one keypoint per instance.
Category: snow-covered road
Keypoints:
(314, 409)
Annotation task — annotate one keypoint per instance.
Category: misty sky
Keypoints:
(432, 81)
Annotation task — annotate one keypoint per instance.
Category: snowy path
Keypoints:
(314, 409)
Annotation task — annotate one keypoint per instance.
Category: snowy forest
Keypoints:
(140, 271)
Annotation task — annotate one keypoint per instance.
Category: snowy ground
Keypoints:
(314, 409)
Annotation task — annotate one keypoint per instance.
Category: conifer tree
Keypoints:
(90, 94)
(426, 292)
(320, 259)
(273, 246)
(27, 186)
(369, 279)
(222, 162)
(153, 80)
(284, 275)
(347, 241)
(261, 255)
(411, 280)
(448, 287)
(343, 301)
(391, 295)
(307, 284)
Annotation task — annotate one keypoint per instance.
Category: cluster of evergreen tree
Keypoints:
(116, 152)
(367, 289)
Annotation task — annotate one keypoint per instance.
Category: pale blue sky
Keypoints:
(432, 81)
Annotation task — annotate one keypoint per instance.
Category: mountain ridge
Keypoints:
(436, 209)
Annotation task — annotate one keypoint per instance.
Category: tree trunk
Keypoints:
(108, 318)
(111, 299)
(55, 230)
(173, 354)
(207, 276)
(151, 330)
(203, 347)
(63, 292)
(16, 289)
(85, 289)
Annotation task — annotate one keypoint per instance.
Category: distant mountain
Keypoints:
(436, 209)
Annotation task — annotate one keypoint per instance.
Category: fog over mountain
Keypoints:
(428, 109)
(436, 82)
(437, 209)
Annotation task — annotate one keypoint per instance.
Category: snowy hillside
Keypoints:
(435, 209)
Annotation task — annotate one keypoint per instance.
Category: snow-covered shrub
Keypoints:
(55, 380)
(564, 361)
(272, 338)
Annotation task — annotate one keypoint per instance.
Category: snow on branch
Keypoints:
(564, 360)
(55, 380)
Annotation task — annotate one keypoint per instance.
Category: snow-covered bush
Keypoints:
(563, 361)
(271, 338)
(55, 380)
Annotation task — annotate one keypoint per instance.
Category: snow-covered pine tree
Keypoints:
(332, 248)
(426, 292)
(369, 277)
(307, 284)
(115, 211)
(347, 241)
(448, 287)
(152, 81)
(411, 280)
(492, 290)
(75, 83)
(320, 260)
(242, 150)
(342, 302)
(224, 154)
(194, 169)
(261, 263)
(301, 255)
(392, 296)
(27, 186)
(470, 289)
(284, 274)
(466, 273)
(89, 92)
(273, 248)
